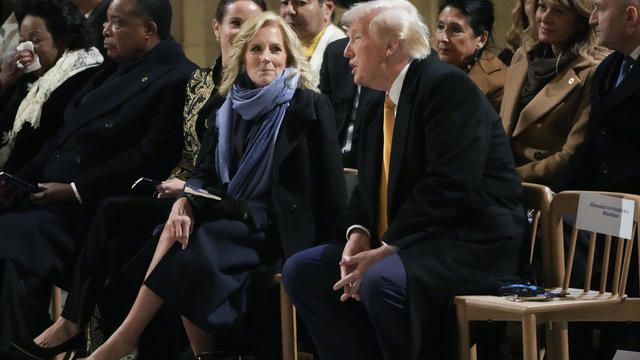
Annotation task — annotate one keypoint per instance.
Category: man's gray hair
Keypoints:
(394, 18)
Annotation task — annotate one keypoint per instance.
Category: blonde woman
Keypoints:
(546, 97)
(522, 16)
(273, 160)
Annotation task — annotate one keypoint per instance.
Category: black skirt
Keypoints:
(207, 282)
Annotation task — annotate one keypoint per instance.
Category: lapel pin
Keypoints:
(571, 81)
(144, 79)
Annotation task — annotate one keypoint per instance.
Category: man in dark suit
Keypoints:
(350, 101)
(607, 160)
(437, 206)
(608, 157)
(124, 124)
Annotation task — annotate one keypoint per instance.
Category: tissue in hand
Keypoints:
(35, 64)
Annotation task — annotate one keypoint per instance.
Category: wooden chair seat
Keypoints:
(483, 306)
(581, 304)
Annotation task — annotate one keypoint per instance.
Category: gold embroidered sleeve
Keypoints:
(199, 89)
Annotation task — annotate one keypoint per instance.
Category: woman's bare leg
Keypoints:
(125, 338)
(201, 341)
(146, 305)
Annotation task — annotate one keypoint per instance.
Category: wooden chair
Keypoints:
(537, 200)
(287, 325)
(581, 304)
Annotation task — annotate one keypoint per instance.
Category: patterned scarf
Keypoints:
(266, 105)
(544, 66)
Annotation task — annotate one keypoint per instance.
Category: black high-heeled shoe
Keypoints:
(36, 352)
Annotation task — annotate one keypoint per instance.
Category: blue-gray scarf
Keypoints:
(267, 105)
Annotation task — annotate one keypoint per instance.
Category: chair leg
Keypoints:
(557, 340)
(529, 340)
(549, 337)
(56, 302)
(464, 345)
(560, 340)
(288, 326)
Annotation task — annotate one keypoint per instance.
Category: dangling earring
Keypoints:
(475, 59)
(217, 37)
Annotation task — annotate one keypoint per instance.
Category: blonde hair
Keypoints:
(585, 42)
(248, 31)
(394, 18)
(514, 34)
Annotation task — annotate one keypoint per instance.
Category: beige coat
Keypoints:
(547, 131)
(490, 74)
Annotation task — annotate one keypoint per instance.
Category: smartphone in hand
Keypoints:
(19, 183)
(145, 186)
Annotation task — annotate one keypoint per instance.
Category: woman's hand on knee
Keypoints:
(180, 223)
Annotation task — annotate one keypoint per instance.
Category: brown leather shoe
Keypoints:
(218, 355)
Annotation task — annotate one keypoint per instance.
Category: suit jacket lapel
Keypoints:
(627, 87)
(516, 75)
(554, 93)
(370, 156)
(400, 130)
(296, 121)
(368, 98)
(108, 97)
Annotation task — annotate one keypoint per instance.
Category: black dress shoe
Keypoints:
(32, 351)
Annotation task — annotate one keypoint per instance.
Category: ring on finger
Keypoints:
(19, 64)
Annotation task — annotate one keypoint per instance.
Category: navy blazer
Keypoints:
(119, 129)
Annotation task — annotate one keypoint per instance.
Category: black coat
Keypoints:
(454, 205)
(336, 81)
(608, 159)
(308, 193)
(29, 141)
(115, 131)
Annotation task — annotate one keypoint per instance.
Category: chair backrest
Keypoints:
(536, 199)
(566, 203)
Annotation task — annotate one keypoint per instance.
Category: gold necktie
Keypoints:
(389, 122)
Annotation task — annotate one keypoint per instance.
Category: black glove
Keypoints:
(206, 209)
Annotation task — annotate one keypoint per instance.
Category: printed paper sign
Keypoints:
(605, 214)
